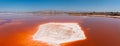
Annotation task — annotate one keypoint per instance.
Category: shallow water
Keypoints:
(17, 30)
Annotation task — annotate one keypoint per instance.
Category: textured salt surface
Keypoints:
(57, 33)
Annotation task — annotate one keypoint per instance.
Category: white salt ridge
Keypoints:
(57, 33)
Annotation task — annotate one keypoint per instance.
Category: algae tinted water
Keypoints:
(17, 30)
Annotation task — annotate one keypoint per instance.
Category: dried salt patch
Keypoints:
(57, 33)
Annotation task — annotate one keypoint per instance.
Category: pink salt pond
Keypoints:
(18, 30)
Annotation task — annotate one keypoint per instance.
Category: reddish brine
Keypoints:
(18, 30)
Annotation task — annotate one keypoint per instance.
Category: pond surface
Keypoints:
(18, 30)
